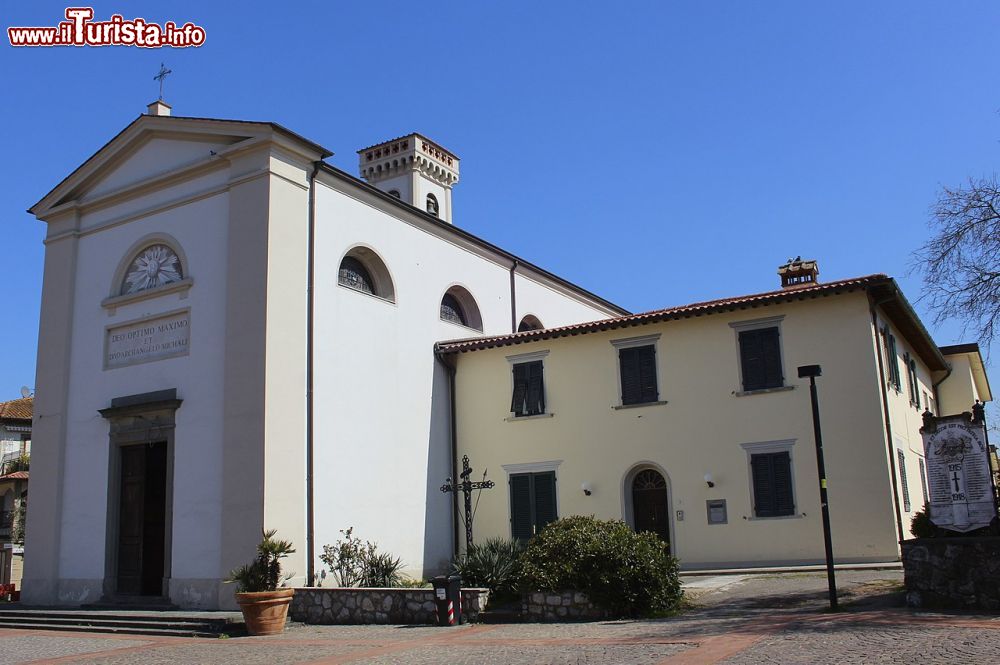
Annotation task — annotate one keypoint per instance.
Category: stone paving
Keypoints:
(738, 620)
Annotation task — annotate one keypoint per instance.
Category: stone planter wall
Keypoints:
(957, 573)
(363, 606)
(565, 606)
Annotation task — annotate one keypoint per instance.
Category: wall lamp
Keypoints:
(587, 488)
(708, 480)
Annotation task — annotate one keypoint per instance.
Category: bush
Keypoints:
(624, 572)
(494, 565)
(921, 525)
(264, 572)
(357, 563)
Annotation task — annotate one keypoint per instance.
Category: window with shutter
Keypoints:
(905, 487)
(893, 362)
(521, 521)
(760, 359)
(772, 484)
(638, 374)
(528, 398)
(923, 481)
(532, 503)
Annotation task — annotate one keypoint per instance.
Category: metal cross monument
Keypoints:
(160, 76)
(466, 486)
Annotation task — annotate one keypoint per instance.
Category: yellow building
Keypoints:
(691, 421)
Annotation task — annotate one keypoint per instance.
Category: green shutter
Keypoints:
(518, 401)
(628, 361)
(545, 498)
(536, 389)
(760, 358)
(781, 465)
(520, 506)
(772, 484)
(647, 373)
(751, 358)
(903, 481)
(763, 486)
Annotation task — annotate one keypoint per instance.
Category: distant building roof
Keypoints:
(17, 475)
(17, 409)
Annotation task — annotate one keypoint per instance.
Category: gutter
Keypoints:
(872, 304)
(513, 298)
(310, 316)
(450, 368)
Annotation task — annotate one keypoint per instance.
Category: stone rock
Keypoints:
(553, 600)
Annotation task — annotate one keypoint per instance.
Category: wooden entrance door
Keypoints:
(649, 503)
(142, 519)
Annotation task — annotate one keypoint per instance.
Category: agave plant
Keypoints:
(264, 572)
(494, 564)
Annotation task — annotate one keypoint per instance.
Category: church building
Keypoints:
(236, 335)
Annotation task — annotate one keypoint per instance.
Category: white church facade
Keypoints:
(236, 335)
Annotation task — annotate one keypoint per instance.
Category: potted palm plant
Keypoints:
(264, 605)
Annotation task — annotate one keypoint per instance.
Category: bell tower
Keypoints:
(414, 169)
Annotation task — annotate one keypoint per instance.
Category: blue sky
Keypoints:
(656, 153)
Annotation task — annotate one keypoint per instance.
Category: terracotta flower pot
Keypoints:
(265, 611)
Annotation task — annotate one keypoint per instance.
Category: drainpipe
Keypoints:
(872, 304)
(934, 387)
(513, 299)
(310, 307)
(450, 368)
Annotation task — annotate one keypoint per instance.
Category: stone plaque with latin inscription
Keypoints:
(155, 338)
(958, 473)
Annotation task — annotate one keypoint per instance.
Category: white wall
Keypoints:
(200, 228)
(382, 443)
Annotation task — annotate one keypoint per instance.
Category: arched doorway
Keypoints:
(650, 510)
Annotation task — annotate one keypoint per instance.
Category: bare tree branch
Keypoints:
(961, 262)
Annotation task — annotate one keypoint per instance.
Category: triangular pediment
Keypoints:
(155, 147)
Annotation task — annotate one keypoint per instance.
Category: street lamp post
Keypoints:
(811, 372)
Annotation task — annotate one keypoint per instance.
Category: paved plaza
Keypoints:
(737, 620)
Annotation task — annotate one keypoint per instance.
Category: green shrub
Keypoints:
(921, 525)
(494, 565)
(624, 572)
(356, 563)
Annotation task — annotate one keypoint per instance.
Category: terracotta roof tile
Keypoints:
(17, 475)
(17, 409)
(684, 311)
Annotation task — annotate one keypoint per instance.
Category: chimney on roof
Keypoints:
(797, 273)
(159, 107)
(415, 170)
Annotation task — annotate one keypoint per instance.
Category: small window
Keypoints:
(760, 358)
(363, 270)
(354, 275)
(528, 397)
(395, 193)
(458, 306)
(529, 322)
(904, 486)
(451, 310)
(772, 484)
(891, 359)
(532, 503)
(432, 205)
(638, 374)
(923, 481)
(911, 366)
